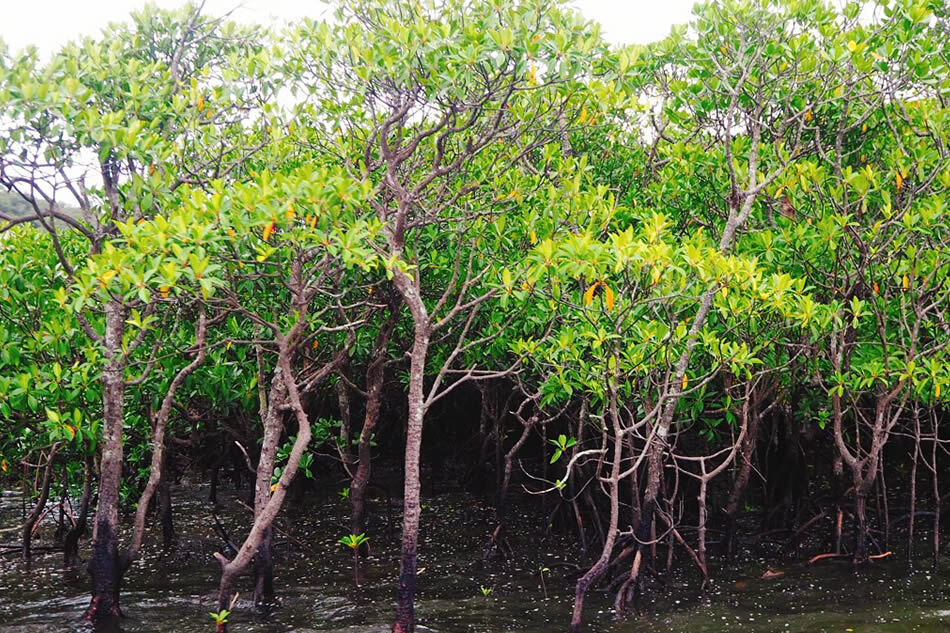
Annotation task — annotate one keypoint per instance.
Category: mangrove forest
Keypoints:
(450, 315)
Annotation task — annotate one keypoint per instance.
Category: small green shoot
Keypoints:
(561, 444)
(353, 541)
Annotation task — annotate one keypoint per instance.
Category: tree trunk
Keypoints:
(861, 536)
(71, 541)
(375, 380)
(165, 506)
(742, 478)
(406, 591)
(613, 487)
(264, 569)
(105, 566)
(37, 512)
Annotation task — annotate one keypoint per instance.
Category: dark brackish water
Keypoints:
(173, 593)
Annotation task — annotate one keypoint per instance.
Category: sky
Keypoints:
(51, 23)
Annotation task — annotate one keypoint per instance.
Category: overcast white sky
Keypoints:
(50, 23)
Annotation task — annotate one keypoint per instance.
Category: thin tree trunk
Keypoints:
(268, 502)
(913, 489)
(71, 542)
(28, 525)
(165, 506)
(375, 381)
(159, 426)
(613, 488)
(936, 487)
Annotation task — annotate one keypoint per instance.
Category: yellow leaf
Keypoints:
(268, 230)
(316, 344)
(534, 237)
(231, 233)
(201, 103)
(877, 56)
(583, 117)
(589, 295)
(3, 465)
(723, 49)
(273, 487)
(289, 214)
(533, 77)
(899, 180)
(905, 282)
(109, 274)
(685, 382)
(228, 345)
(313, 222)
(808, 115)
(877, 288)
(608, 296)
(864, 128)
(164, 291)
(936, 394)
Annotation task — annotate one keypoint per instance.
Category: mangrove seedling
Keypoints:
(354, 542)
(544, 589)
(221, 617)
(486, 591)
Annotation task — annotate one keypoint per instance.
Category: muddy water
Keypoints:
(172, 593)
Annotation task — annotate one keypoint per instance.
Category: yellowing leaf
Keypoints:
(533, 76)
(72, 431)
(608, 297)
(3, 465)
(877, 288)
(589, 295)
(268, 230)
